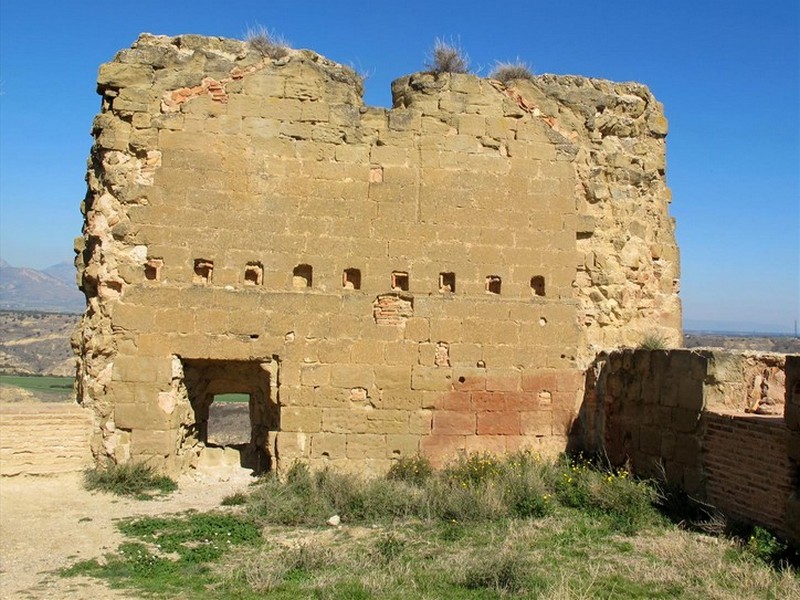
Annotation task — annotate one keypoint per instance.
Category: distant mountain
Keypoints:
(64, 271)
(51, 290)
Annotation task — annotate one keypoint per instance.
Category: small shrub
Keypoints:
(447, 57)
(129, 479)
(654, 341)
(507, 72)
(473, 469)
(629, 504)
(763, 545)
(414, 470)
(505, 572)
(270, 568)
(389, 547)
(266, 43)
(236, 499)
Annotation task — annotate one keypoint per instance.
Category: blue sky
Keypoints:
(726, 71)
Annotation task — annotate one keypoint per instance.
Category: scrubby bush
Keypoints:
(129, 479)
(507, 72)
(474, 488)
(266, 43)
(447, 57)
(629, 504)
(412, 469)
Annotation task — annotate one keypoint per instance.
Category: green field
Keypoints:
(63, 386)
(230, 398)
(35, 383)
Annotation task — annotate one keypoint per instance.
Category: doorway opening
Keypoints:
(235, 405)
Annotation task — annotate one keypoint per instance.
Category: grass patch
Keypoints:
(484, 527)
(33, 383)
(232, 398)
(654, 340)
(130, 479)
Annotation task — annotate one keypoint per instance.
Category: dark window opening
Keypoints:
(493, 283)
(253, 273)
(152, 269)
(447, 282)
(400, 281)
(302, 276)
(203, 271)
(537, 285)
(351, 279)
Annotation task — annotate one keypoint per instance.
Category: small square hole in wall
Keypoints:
(253, 273)
(203, 270)
(351, 279)
(152, 269)
(447, 282)
(302, 277)
(400, 281)
(537, 285)
(493, 283)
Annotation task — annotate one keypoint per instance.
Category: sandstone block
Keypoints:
(328, 445)
(345, 420)
(498, 423)
(315, 375)
(435, 379)
(441, 449)
(366, 446)
(538, 423)
(119, 75)
(150, 442)
(402, 445)
(350, 376)
(297, 418)
(420, 422)
(292, 446)
(448, 422)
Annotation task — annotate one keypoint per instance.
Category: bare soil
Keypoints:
(48, 523)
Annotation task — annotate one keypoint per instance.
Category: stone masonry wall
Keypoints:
(792, 417)
(665, 413)
(431, 278)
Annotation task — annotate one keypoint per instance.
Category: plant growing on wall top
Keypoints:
(447, 57)
(506, 72)
(266, 42)
(654, 340)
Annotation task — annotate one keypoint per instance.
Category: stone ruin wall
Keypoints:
(722, 426)
(429, 278)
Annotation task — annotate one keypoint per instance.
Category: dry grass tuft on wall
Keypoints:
(447, 57)
(266, 42)
(506, 72)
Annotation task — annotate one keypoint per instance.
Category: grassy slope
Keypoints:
(454, 534)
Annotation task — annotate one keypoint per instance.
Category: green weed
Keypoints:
(414, 469)
(129, 479)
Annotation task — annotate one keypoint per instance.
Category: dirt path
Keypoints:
(47, 523)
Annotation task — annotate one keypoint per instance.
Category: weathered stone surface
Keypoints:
(252, 228)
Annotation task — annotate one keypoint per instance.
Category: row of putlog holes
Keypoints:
(303, 274)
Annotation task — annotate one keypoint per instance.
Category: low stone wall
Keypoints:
(748, 471)
(792, 417)
(706, 421)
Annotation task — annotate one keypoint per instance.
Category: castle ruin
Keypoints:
(433, 278)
